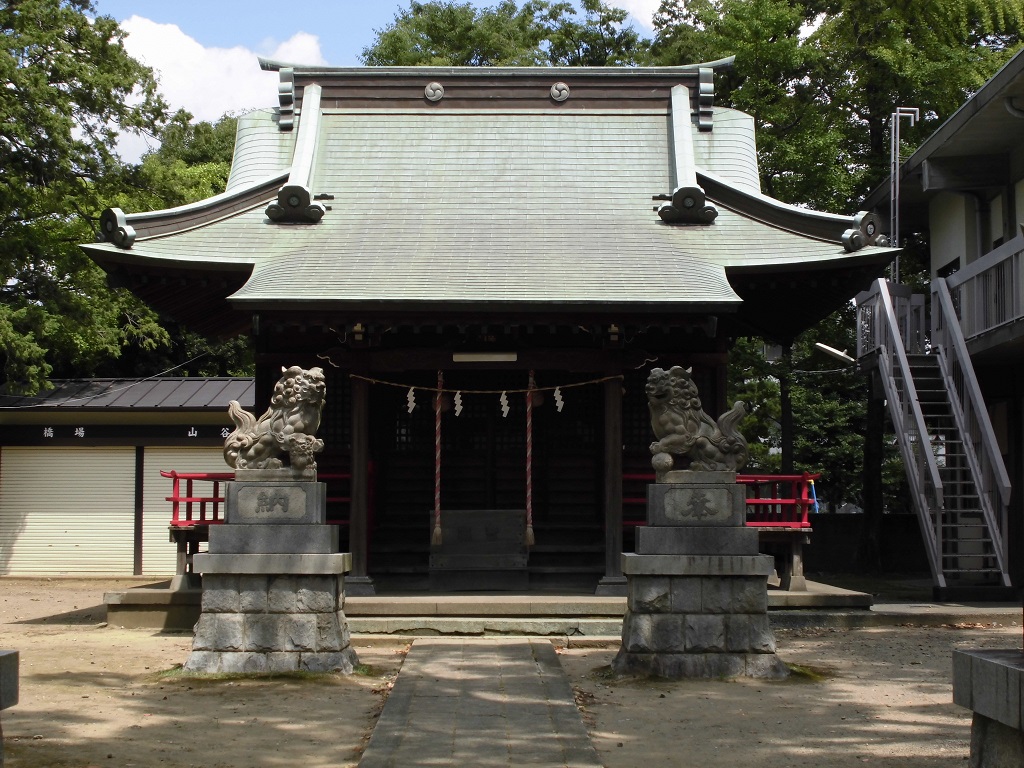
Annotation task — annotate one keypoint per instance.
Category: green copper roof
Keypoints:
(392, 189)
(489, 207)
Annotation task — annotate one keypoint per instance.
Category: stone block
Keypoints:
(252, 594)
(340, 562)
(750, 594)
(203, 661)
(765, 666)
(716, 594)
(963, 690)
(701, 665)
(316, 594)
(696, 503)
(996, 682)
(637, 630)
(649, 594)
(686, 594)
(668, 633)
(345, 637)
(995, 745)
(282, 594)
(705, 633)
(246, 663)
(219, 632)
(298, 632)
(693, 540)
(340, 661)
(263, 632)
(220, 594)
(762, 639)
(697, 565)
(273, 538)
(276, 502)
(279, 662)
(8, 680)
(749, 633)
(328, 632)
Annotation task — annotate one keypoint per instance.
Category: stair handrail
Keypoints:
(908, 419)
(971, 414)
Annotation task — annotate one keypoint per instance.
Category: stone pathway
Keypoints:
(480, 702)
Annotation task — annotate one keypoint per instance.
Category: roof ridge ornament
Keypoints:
(866, 230)
(286, 99)
(688, 202)
(295, 200)
(706, 99)
(114, 228)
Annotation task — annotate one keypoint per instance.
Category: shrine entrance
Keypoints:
(483, 466)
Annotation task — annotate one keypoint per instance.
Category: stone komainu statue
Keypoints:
(683, 429)
(287, 428)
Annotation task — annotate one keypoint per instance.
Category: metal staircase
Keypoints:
(958, 482)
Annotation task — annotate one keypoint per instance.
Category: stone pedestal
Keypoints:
(697, 599)
(991, 684)
(273, 585)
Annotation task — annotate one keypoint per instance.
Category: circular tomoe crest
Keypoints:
(434, 91)
(559, 91)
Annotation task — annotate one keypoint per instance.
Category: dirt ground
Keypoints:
(92, 695)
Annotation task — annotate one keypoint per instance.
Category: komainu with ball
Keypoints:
(683, 429)
(288, 428)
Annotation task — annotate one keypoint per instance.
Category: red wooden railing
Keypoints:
(183, 506)
(189, 509)
(773, 501)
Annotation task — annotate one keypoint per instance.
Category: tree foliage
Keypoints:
(70, 89)
(821, 77)
(448, 33)
(191, 163)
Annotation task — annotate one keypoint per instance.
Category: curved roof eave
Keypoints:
(314, 70)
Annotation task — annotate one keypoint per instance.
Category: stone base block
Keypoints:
(994, 745)
(691, 540)
(275, 623)
(697, 594)
(270, 538)
(336, 563)
(678, 666)
(991, 682)
(697, 633)
(697, 565)
(271, 662)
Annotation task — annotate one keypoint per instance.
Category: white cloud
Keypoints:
(642, 11)
(209, 81)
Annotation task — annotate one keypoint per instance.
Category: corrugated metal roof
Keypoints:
(193, 394)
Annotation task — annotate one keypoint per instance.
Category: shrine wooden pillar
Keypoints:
(613, 582)
(358, 582)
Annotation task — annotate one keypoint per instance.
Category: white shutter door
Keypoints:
(158, 552)
(67, 511)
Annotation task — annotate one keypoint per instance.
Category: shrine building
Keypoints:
(486, 263)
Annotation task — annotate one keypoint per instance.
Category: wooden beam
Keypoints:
(613, 582)
(358, 581)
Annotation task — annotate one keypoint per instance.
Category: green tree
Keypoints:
(598, 39)
(191, 163)
(821, 77)
(458, 34)
(70, 89)
(447, 33)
